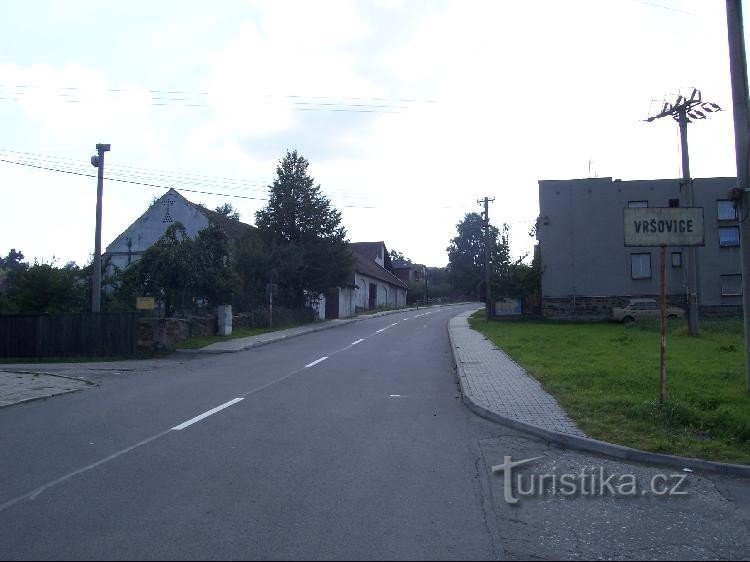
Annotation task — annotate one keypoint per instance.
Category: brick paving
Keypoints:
(494, 381)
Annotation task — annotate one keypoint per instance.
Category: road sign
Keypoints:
(145, 303)
(664, 226)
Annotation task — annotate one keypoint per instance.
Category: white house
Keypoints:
(372, 284)
(171, 207)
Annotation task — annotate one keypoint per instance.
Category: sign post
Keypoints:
(662, 227)
(663, 326)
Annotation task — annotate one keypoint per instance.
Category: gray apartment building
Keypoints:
(586, 268)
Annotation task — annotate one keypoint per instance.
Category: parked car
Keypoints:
(641, 309)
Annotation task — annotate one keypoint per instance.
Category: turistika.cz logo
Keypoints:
(590, 481)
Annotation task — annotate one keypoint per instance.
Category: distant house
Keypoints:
(171, 207)
(408, 272)
(372, 284)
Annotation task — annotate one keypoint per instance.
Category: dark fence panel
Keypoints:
(68, 335)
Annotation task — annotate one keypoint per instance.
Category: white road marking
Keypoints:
(205, 415)
(395, 395)
(394, 323)
(381, 330)
(316, 362)
(358, 341)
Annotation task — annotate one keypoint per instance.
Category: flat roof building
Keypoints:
(586, 268)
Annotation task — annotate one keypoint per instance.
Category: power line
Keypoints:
(56, 167)
(72, 94)
(154, 176)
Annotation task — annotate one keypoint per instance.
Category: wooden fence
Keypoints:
(68, 335)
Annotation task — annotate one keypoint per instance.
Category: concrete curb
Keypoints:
(593, 445)
(275, 339)
(45, 397)
(26, 372)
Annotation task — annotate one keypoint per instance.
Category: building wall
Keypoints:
(151, 226)
(581, 240)
(387, 294)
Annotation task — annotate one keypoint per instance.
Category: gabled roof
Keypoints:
(366, 265)
(234, 229)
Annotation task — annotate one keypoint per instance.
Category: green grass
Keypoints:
(203, 341)
(606, 376)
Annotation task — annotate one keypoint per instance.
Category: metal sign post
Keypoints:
(662, 227)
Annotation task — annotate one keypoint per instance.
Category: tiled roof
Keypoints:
(366, 265)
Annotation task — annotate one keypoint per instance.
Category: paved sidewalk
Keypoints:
(493, 381)
(17, 387)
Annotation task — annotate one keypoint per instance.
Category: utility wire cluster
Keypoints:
(255, 190)
(177, 98)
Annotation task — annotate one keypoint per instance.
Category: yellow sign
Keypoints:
(145, 303)
(664, 226)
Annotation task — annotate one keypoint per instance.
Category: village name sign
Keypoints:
(673, 226)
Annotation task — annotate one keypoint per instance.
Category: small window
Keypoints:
(674, 203)
(640, 266)
(731, 285)
(637, 204)
(726, 210)
(676, 259)
(729, 236)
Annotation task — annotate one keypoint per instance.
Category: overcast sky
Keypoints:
(408, 111)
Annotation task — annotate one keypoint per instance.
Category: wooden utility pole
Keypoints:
(487, 256)
(686, 110)
(738, 70)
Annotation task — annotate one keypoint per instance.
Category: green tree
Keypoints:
(42, 287)
(228, 211)
(13, 261)
(304, 233)
(178, 270)
(466, 257)
(398, 256)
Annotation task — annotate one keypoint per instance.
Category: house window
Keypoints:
(731, 285)
(640, 266)
(729, 236)
(676, 259)
(726, 210)
(674, 203)
(637, 204)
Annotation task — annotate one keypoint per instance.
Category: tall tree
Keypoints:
(304, 232)
(466, 255)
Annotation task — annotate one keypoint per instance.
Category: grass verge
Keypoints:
(203, 341)
(606, 376)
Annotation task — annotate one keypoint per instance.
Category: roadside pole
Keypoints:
(692, 255)
(738, 70)
(663, 327)
(96, 276)
(487, 257)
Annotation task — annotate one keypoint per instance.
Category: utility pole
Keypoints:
(685, 111)
(487, 256)
(96, 280)
(738, 70)
(425, 286)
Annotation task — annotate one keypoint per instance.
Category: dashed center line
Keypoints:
(358, 341)
(205, 415)
(316, 362)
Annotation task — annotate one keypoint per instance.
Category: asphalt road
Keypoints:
(368, 453)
